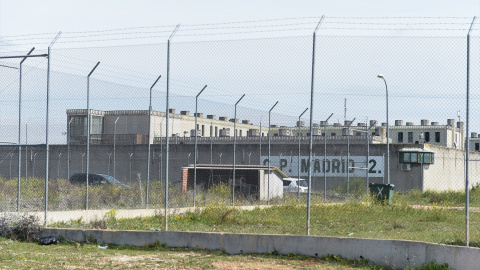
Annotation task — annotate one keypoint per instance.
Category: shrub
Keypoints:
(20, 227)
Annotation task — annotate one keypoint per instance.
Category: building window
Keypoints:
(437, 136)
(428, 158)
(400, 137)
(240, 133)
(410, 137)
(78, 127)
(334, 134)
(427, 136)
(203, 130)
(97, 124)
(477, 146)
(405, 157)
(414, 157)
(358, 134)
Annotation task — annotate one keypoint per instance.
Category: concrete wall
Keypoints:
(394, 253)
(447, 173)
(276, 185)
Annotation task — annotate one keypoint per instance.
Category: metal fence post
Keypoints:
(269, 136)
(260, 142)
(348, 158)
(88, 132)
(20, 130)
(311, 129)
(47, 146)
(68, 147)
(166, 127)
(467, 156)
(299, 138)
(149, 139)
(234, 148)
(195, 154)
(325, 159)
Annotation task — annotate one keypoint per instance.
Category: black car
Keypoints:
(95, 179)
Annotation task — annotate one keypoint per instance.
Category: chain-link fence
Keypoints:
(132, 155)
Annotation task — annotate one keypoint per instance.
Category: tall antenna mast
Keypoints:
(345, 113)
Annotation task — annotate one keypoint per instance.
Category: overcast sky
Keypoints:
(33, 16)
(419, 70)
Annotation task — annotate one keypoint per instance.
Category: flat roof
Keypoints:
(239, 167)
(412, 149)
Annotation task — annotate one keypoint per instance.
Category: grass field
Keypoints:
(351, 219)
(429, 216)
(65, 196)
(72, 255)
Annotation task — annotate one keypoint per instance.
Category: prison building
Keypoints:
(474, 142)
(131, 127)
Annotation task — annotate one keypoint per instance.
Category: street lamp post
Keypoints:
(269, 135)
(234, 148)
(325, 158)
(388, 134)
(299, 137)
(150, 139)
(195, 154)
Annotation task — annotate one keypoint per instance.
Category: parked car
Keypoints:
(95, 179)
(292, 185)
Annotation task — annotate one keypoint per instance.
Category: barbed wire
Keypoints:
(400, 23)
(26, 72)
(404, 17)
(199, 29)
(395, 29)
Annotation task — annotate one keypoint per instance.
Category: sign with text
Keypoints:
(333, 166)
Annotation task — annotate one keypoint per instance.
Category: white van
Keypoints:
(292, 185)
